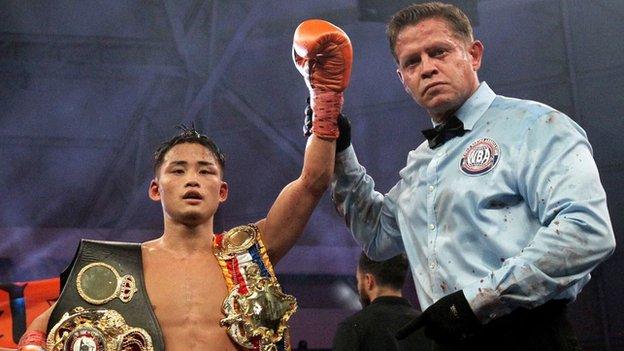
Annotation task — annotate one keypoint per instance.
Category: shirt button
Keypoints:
(432, 226)
(432, 265)
(430, 188)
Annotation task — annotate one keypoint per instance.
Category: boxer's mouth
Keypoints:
(193, 195)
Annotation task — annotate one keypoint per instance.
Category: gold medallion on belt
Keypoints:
(96, 330)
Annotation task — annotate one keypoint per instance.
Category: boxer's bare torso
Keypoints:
(186, 291)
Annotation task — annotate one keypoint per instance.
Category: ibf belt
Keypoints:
(256, 310)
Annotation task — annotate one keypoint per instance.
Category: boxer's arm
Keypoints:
(294, 205)
(322, 53)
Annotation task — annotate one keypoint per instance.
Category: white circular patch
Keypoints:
(480, 157)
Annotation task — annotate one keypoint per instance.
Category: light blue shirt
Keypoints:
(513, 213)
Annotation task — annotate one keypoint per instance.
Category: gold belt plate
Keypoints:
(98, 283)
(262, 312)
(96, 330)
(237, 240)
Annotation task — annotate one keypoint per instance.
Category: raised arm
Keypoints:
(294, 205)
(322, 53)
(369, 214)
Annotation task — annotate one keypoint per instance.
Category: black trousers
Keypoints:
(544, 328)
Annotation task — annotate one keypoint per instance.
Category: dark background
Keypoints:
(89, 88)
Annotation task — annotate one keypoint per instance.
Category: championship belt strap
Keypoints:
(256, 309)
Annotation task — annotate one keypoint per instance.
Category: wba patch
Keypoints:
(480, 157)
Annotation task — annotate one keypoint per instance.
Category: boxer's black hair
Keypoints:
(188, 134)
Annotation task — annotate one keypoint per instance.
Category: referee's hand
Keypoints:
(449, 320)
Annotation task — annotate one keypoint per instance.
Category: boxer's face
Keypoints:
(436, 67)
(189, 184)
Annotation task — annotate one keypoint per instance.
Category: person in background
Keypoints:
(384, 310)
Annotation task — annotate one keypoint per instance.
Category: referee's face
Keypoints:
(437, 68)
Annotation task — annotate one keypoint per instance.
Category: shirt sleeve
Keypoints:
(558, 179)
(346, 338)
(369, 214)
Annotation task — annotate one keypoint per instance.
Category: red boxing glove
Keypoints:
(323, 55)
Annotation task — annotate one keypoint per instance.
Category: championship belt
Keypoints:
(104, 305)
(96, 330)
(256, 309)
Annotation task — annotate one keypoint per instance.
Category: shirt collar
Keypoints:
(476, 105)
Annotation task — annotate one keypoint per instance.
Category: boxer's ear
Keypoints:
(154, 190)
(223, 192)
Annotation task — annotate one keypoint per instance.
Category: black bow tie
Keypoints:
(444, 132)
